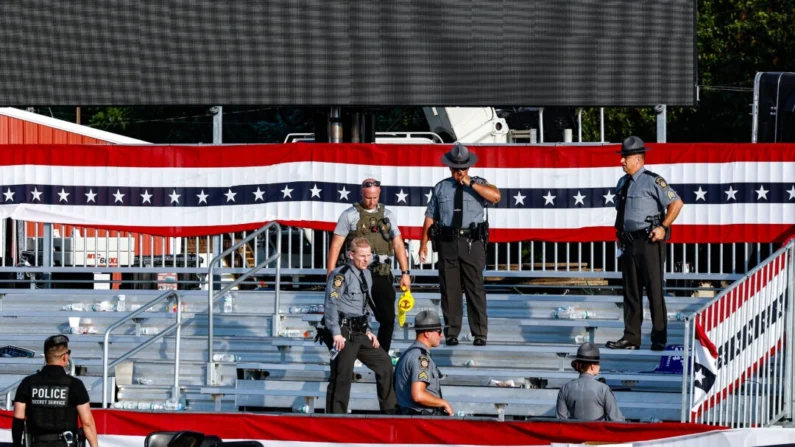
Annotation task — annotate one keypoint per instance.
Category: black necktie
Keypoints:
(365, 291)
(622, 205)
(458, 207)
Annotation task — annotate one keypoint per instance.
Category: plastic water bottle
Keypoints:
(149, 331)
(144, 381)
(171, 405)
(79, 307)
(292, 333)
(679, 316)
(102, 306)
(582, 338)
(121, 305)
(471, 363)
(467, 337)
(229, 303)
(333, 353)
(226, 358)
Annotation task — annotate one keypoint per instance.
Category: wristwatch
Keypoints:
(406, 272)
(667, 229)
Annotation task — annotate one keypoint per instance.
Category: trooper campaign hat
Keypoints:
(427, 320)
(631, 146)
(587, 353)
(459, 157)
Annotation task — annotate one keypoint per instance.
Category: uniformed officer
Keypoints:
(585, 398)
(647, 206)
(456, 211)
(346, 317)
(52, 401)
(378, 225)
(416, 376)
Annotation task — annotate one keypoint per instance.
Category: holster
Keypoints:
(324, 335)
(354, 324)
(433, 235)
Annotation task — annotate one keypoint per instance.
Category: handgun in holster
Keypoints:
(323, 335)
(433, 234)
(656, 221)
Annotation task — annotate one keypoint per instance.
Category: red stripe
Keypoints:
(378, 154)
(379, 430)
(727, 305)
(701, 337)
(681, 233)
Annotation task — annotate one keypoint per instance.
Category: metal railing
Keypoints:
(750, 324)
(175, 326)
(211, 297)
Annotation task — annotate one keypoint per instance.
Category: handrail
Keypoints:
(177, 325)
(211, 297)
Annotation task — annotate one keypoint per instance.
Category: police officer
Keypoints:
(416, 376)
(456, 211)
(378, 225)
(585, 398)
(346, 317)
(52, 401)
(647, 206)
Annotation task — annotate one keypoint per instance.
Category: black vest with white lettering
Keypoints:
(50, 410)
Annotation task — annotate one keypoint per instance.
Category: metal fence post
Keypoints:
(47, 254)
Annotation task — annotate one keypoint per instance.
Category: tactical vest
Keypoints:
(50, 410)
(375, 228)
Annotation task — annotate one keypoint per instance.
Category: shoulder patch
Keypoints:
(671, 195)
(661, 182)
(334, 294)
(424, 362)
(339, 280)
(422, 376)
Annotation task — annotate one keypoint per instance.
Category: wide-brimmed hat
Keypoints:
(588, 352)
(459, 157)
(427, 320)
(632, 146)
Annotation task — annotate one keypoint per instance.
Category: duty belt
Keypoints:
(627, 237)
(49, 437)
(355, 324)
(454, 233)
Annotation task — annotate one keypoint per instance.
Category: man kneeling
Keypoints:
(416, 376)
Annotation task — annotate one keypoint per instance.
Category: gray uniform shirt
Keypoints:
(587, 399)
(416, 365)
(442, 204)
(648, 195)
(350, 217)
(345, 294)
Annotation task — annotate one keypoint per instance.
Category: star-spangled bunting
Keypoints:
(555, 194)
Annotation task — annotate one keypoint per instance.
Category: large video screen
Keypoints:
(348, 52)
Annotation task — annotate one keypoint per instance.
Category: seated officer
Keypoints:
(347, 322)
(51, 402)
(585, 398)
(416, 376)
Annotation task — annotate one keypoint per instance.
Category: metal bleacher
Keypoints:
(526, 346)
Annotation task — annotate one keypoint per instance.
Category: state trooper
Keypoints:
(585, 398)
(346, 319)
(647, 206)
(416, 376)
(455, 215)
(378, 225)
(51, 402)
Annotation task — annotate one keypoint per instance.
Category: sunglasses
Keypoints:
(69, 352)
(459, 169)
(371, 184)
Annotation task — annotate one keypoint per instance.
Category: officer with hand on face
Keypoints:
(585, 398)
(347, 323)
(456, 212)
(51, 402)
(416, 376)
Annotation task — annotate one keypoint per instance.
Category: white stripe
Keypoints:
(547, 218)
(551, 178)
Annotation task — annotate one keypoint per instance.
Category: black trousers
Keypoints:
(642, 265)
(459, 266)
(358, 346)
(384, 312)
